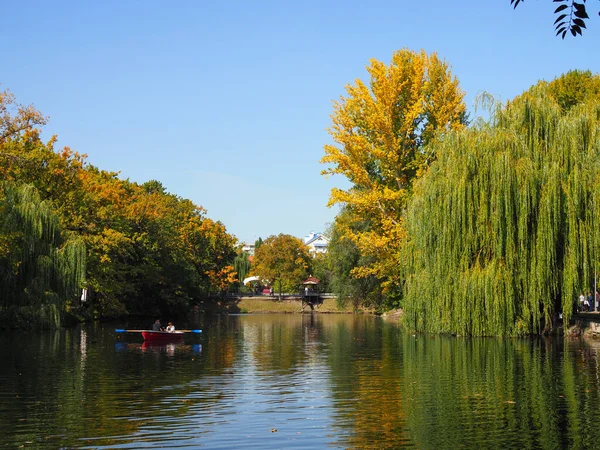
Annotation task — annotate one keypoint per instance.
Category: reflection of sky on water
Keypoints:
(121, 347)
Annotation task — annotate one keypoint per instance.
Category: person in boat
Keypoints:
(170, 327)
(157, 326)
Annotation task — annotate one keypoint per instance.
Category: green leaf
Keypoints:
(561, 17)
(560, 8)
(579, 23)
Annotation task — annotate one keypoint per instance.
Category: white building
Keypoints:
(316, 242)
(249, 248)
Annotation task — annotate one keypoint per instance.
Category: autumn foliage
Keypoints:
(148, 251)
(380, 130)
(282, 261)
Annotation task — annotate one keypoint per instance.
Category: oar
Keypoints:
(190, 331)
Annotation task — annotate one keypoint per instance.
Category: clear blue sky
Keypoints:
(227, 103)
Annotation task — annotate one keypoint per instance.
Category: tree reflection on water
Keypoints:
(342, 381)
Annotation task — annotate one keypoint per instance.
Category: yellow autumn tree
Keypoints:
(282, 260)
(380, 131)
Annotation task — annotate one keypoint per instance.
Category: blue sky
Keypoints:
(227, 103)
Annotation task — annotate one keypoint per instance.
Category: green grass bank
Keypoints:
(263, 305)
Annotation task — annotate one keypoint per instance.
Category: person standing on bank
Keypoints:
(586, 303)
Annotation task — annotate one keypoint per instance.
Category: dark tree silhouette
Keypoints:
(571, 16)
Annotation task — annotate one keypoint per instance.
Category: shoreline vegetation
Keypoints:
(483, 228)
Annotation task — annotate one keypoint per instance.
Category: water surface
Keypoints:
(296, 381)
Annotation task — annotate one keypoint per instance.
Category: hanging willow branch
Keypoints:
(39, 264)
(501, 231)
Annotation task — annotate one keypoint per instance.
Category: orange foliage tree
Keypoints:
(148, 251)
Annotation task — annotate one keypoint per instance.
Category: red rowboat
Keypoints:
(162, 336)
(159, 337)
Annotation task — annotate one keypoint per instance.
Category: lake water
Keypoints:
(296, 381)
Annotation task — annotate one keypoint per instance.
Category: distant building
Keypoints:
(316, 242)
(248, 248)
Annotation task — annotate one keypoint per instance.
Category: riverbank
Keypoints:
(585, 324)
(264, 305)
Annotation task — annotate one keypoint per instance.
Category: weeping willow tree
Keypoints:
(241, 265)
(503, 232)
(40, 269)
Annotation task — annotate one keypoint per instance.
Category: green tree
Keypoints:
(282, 259)
(321, 269)
(574, 87)
(42, 263)
(242, 266)
(41, 266)
(343, 258)
(503, 229)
